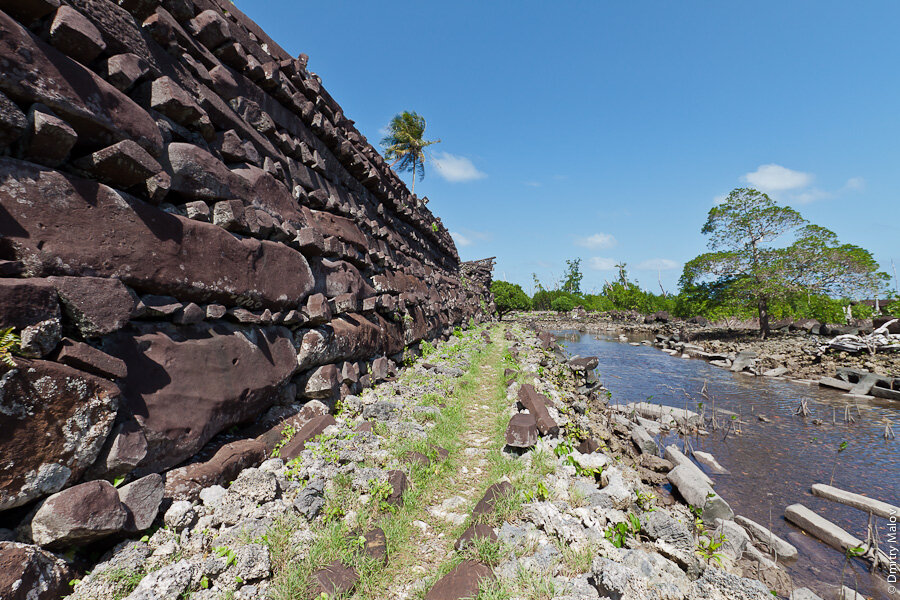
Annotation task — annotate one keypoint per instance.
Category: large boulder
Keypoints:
(187, 385)
(537, 405)
(30, 573)
(83, 513)
(522, 431)
(54, 421)
(58, 224)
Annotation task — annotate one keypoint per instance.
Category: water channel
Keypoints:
(772, 463)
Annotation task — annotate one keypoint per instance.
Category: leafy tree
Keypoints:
(563, 304)
(405, 144)
(571, 281)
(747, 250)
(509, 297)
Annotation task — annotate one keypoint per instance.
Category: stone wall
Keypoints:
(194, 241)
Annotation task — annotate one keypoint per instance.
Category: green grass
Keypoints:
(292, 570)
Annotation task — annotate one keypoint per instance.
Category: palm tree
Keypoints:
(405, 145)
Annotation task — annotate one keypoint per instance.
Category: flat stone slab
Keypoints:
(863, 503)
(784, 550)
(335, 579)
(821, 527)
(462, 582)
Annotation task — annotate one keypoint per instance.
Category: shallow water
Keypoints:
(771, 465)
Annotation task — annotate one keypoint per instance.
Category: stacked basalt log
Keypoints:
(191, 233)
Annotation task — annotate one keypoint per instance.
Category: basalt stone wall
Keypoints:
(193, 238)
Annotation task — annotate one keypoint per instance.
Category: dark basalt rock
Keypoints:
(462, 582)
(478, 530)
(83, 513)
(185, 483)
(522, 431)
(91, 223)
(30, 573)
(97, 111)
(487, 502)
(334, 580)
(54, 421)
(537, 405)
(186, 386)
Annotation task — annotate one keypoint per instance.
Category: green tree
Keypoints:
(571, 281)
(769, 252)
(563, 304)
(509, 297)
(405, 144)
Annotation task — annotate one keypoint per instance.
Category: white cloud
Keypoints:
(598, 240)
(775, 178)
(658, 264)
(456, 168)
(533, 183)
(460, 239)
(599, 263)
(720, 199)
(855, 183)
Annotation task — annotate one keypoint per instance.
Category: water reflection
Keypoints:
(772, 463)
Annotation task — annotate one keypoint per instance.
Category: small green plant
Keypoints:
(707, 546)
(584, 471)
(564, 448)
(117, 481)
(841, 448)
(380, 492)
(9, 344)
(645, 501)
(540, 493)
(434, 227)
(617, 534)
(286, 434)
(227, 552)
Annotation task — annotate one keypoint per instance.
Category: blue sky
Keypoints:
(605, 130)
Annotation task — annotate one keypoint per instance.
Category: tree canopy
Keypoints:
(405, 144)
(509, 297)
(769, 252)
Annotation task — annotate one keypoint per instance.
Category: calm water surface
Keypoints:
(771, 465)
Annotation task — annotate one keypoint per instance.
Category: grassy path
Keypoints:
(420, 534)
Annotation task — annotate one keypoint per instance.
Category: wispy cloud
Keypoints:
(597, 240)
(460, 239)
(468, 237)
(658, 264)
(855, 184)
(456, 169)
(600, 263)
(775, 178)
(793, 187)
(533, 183)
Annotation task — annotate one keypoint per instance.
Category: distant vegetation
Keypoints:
(747, 271)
